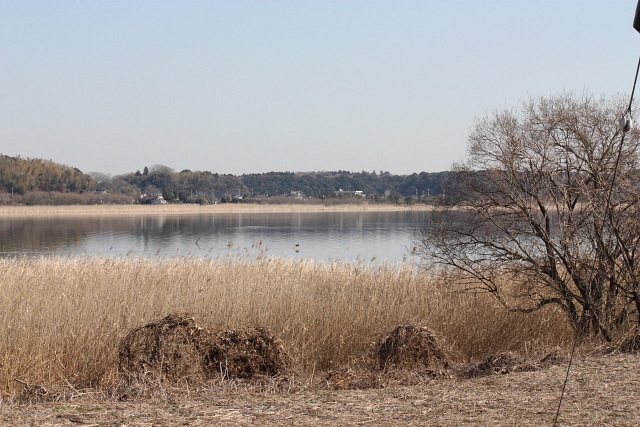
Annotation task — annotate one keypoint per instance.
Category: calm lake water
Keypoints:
(368, 237)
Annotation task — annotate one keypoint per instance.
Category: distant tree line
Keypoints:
(324, 184)
(197, 186)
(19, 177)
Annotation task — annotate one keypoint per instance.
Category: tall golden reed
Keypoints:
(61, 318)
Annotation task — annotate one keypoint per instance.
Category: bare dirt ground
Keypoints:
(602, 390)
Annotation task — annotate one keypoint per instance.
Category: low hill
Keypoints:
(20, 176)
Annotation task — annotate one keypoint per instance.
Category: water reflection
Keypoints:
(347, 236)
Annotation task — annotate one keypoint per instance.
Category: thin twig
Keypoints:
(75, 390)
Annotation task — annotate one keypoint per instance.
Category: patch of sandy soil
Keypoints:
(602, 390)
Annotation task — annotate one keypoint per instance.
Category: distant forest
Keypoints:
(37, 181)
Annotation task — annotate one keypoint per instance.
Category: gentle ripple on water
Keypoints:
(370, 237)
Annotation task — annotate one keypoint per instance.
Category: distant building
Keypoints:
(341, 192)
(158, 200)
(152, 199)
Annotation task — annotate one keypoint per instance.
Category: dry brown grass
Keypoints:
(61, 319)
(76, 210)
(601, 391)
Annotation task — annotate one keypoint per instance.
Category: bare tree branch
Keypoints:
(542, 222)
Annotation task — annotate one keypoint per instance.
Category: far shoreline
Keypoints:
(184, 209)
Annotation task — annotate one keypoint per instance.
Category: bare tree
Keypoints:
(550, 212)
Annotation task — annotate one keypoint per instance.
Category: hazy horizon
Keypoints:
(152, 166)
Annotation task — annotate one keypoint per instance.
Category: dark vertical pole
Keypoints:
(636, 20)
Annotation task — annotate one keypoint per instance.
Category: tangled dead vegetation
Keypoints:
(631, 343)
(415, 353)
(171, 347)
(34, 393)
(352, 379)
(245, 353)
(507, 362)
(412, 347)
(175, 348)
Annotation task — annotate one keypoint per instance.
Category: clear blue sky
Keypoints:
(254, 86)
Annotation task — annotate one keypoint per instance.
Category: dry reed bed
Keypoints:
(200, 209)
(61, 319)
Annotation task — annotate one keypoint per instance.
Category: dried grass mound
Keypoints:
(176, 348)
(171, 348)
(244, 353)
(412, 347)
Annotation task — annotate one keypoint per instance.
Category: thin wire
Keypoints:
(624, 133)
(609, 215)
(566, 378)
(634, 86)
